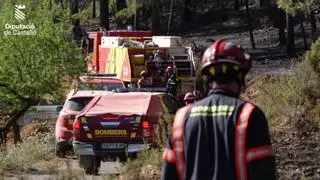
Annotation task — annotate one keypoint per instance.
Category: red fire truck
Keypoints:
(128, 53)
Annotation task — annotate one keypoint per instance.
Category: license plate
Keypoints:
(112, 145)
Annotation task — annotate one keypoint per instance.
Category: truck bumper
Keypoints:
(82, 148)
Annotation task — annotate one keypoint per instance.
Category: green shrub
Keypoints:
(293, 99)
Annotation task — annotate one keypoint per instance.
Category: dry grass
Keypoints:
(33, 153)
(147, 165)
(25, 155)
(49, 166)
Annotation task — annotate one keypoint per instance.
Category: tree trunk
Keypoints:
(291, 48)
(94, 9)
(3, 139)
(136, 20)
(305, 43)
(121, 4)
(282, 24)
(250, 25)
(263, 3)
(136, 16)
(35, 4)
(236, 5)
(12, 122)
(76, 31)
(74, 6)
(170, 17)
(313, 23)
(155, 18)
(16, 133)
(104, 14)
(187, 11)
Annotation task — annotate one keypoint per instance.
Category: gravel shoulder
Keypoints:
(64, 169)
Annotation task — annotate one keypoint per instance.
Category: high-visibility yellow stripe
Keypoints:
(212, 109)
(224, 69)
(211, 114)
(222, 110)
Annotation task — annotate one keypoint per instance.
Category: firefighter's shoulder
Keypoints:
(182, 112)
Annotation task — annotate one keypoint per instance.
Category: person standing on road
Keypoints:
(220, 137)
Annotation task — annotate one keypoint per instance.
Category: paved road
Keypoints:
(67, 169)
(39, 113)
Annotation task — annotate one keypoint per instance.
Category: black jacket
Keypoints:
(218, 144)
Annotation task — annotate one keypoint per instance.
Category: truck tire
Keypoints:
(90, 164)
(60, 152)
(123, 158)
(133, 156)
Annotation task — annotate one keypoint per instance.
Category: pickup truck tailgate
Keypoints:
(115, 128)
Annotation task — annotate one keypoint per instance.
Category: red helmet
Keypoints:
(169, 69)
(189, 97)
(227, 56)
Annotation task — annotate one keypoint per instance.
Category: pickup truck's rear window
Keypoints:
(103, 87)
(77, 104)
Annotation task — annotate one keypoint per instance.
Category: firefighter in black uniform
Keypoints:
(220, 137)
(172, 82)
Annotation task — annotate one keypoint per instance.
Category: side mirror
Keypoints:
(59, 108)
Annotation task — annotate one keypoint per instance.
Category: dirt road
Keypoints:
(66, 169)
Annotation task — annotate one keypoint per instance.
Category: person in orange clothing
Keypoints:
(145, 81)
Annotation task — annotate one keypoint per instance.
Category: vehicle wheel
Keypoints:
(133, 156)
(90, 164)
(123, 158)
(60, 152)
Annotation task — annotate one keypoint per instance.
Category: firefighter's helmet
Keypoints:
(189, 97)
(224, 57)
(143, 73)
(169, 69)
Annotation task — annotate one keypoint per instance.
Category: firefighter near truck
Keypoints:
(137, 56)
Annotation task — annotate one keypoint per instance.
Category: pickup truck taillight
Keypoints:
(146, 128)
(77, 129)
(67, 121)
(145, 125)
